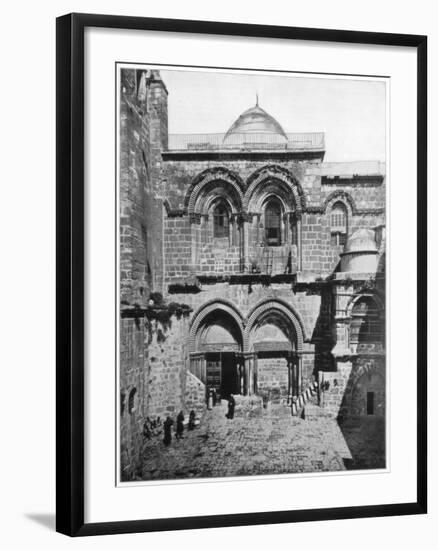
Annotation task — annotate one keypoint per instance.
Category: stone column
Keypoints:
(289, 380)
(294, 377)
(246, 218)
(299, 246)
(287, 228)
(299, 373)
(340, 320)
(255, 372)
(258, 229)
(241, 378)
(242, 247)
(249, 374)
(203, 369)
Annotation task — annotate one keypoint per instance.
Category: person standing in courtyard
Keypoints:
(192, 418)
(231, 405)
(180, 425)
(167, 431)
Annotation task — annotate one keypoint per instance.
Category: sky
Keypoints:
(351, 112)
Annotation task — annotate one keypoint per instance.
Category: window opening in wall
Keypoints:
(221, 221)
(131, 401)
(370, 402)
(273, 223)
(338, 224)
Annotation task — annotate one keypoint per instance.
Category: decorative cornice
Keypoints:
(369, 211)
(356, 179)
(314, 210)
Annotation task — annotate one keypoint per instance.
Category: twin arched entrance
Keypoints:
(259, 354)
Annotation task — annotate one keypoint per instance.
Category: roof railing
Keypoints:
(220, 142)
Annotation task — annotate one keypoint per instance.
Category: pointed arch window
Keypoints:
(221, 221)
(273, 213)
(338, 224)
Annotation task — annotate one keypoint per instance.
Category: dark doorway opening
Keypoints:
(230, 378)
(222, 373)
(370, 402)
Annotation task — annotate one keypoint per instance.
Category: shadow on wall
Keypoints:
(362, 417)
(322, 337)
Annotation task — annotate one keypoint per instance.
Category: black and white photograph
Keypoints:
(250, 273)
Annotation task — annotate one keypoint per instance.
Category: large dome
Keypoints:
(258, 123)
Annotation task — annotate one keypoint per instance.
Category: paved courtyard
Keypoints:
(256, 442)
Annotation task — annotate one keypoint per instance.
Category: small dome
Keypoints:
(362, 240)
(360, 253)
(256, 121)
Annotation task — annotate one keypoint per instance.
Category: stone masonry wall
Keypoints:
(166, 368)
(141, 265)
(143, 123)
(246, 297)
(194, 396)
(272, 377)
(365, 202)
(133, 358)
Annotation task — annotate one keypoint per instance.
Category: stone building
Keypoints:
(247, 265)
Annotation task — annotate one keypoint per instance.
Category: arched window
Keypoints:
(338, 224)
(221, 222)
(366, 323)
(273, 212)
(132, 401)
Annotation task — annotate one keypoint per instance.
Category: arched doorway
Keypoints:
(217, 356)
(274, 342)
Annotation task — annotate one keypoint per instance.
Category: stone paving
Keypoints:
(256, 442)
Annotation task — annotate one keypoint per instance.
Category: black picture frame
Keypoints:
(70, 273)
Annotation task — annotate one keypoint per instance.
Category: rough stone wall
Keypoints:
(177, 247)
(334, 386)
(215, 255)
(143, 123)
(246, 297)
(133, 358)
(272, 377)
(194, 395)
(166, 368)
(345, 390)
(319, 256)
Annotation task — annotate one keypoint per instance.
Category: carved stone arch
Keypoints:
(208, 308)
(202, 181)
(272, 305)
(214, 192)
(273, 190)
(375, 296)
(343, 197)
(283, 179)
(369, 368)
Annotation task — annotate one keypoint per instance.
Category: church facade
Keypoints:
(248, 266)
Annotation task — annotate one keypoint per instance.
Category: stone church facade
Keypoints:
(247, 265)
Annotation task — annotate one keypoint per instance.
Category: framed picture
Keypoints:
(241, 274)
